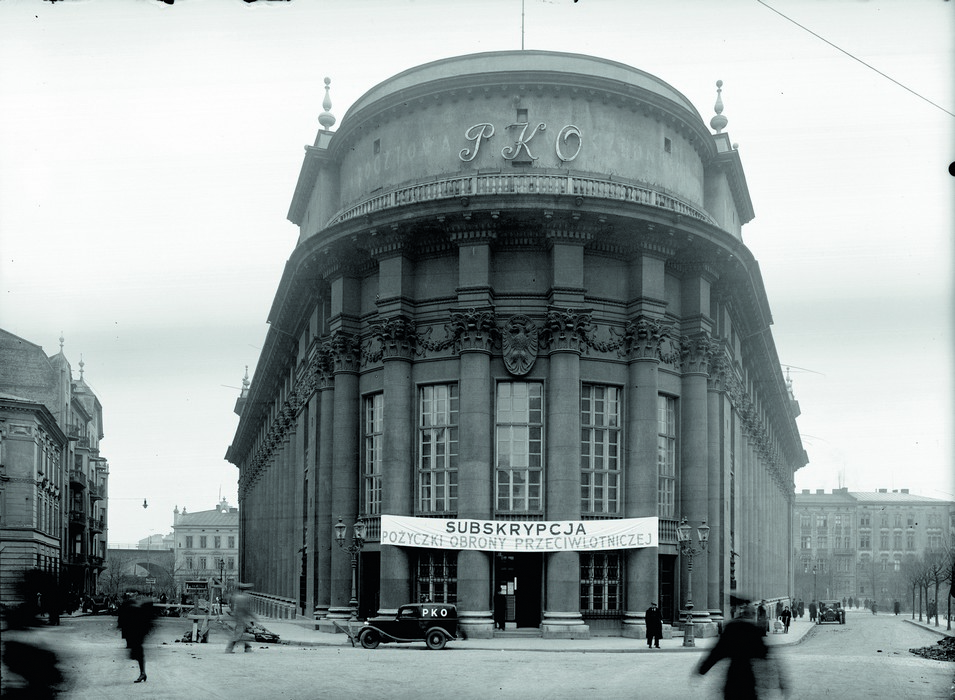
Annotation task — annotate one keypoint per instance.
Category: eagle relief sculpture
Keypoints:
(520, 342)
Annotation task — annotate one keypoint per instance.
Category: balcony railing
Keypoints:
(97, 524)
(96, 493)
(522, 183)
(78, 517)
(78, 478)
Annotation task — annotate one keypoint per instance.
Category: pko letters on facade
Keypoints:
(567, 145)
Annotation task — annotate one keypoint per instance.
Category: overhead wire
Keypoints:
(856, 58)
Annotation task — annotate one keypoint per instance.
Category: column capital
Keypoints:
(567, 330)
(473, 330)
(697, 353)
(644, 338)
(344, 350)
(396, 337)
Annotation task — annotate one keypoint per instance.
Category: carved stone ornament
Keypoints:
(519, 341)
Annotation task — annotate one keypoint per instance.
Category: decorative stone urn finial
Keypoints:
(719, 122)
(326, 118)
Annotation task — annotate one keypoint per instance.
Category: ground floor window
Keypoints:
(601, 584)
(436, 576)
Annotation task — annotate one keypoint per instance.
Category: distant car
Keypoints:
(435, 624)
(97, 604)
(831, 611)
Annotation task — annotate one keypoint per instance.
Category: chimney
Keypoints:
(820, 492)
(905, 490)
(883, 491)
(805, 492)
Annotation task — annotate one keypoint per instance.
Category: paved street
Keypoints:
(866, 658)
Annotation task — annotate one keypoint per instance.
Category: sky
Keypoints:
(149, 152)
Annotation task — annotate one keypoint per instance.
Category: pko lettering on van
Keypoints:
(434, 612)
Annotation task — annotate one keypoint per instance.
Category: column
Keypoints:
(324, 535)
(562, 618)
(718, 502)
(345, 461)
(640, 477)
(311, 516)
(474, 332)
(694, 482)
(398, 474)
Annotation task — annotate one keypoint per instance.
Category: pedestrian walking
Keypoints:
(654, 626)
(242, 612)
(751, 668)
(786, 618)
(500, 608)
(136, 622)
(812, 611)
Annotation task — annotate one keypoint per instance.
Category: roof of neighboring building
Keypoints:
(845, 496)
(223, 515)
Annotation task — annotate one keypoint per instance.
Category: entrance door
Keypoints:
(521, 576)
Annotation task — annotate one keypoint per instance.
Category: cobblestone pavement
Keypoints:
(867, 658)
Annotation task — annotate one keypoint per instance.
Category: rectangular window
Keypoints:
(436, 578)
(438, 408)
(865, 520)
(821, 521)
(666, 456)
(189, 563)
(898, 540)
(910, 520)
(599, 449)
(805, 522)
(601, 584)
(217, 542)
(865, 541)
(203, 540)
(231, 542)
(188, 541)
(202, 563)
(910, 542)
(520, 447)
(934, 541)
(884, 540)
(230, 563)
(372, 454)
(823, 541)
(805, 542)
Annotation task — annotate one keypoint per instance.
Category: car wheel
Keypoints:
(370, 639)
(436, 640)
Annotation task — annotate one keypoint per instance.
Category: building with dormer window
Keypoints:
(206, 546)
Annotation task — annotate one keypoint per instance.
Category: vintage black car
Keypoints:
(433, 623)
(831, 611)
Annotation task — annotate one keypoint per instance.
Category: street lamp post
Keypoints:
(683, 534)
(358, 541)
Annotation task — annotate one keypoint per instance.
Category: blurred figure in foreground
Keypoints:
(31, 667)
(241, 609)
(136, 622)
(751, 669)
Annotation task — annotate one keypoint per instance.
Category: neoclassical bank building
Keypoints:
(519, 341)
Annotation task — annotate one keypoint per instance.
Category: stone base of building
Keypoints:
(339, 613)
(638, 630)
(476, 624)
(703, 625)
(564, 625)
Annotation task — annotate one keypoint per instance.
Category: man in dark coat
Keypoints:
(812, 611)
(742, 643)
(654, 626)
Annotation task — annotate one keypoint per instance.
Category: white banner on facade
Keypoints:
(519, 536)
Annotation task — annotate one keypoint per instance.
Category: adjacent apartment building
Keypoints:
(520, 336)
(858, 543)
(206, 546)
(53, 477)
